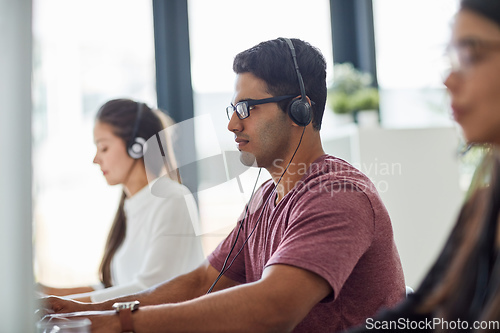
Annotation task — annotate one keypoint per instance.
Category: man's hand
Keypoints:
(54, 304)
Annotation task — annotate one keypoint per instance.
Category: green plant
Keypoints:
(351, 90)
(365, 99)
(339, 102)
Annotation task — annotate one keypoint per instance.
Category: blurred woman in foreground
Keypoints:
(461, 291)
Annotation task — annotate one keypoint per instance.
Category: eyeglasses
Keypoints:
(243, 108)
(469, 51)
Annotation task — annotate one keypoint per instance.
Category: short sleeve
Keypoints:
(237, 261)
(218, 256)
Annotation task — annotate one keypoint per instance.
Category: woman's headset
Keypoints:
(135, 148)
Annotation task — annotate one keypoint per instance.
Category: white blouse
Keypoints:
(160, 242)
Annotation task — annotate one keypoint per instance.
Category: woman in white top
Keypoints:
(151, 238)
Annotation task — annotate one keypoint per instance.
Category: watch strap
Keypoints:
(125, 316)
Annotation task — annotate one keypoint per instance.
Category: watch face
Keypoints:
(126, 305)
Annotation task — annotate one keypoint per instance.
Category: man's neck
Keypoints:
(309, 151)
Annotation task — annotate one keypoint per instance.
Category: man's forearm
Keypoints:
(241, 309)
(276, 303)
(238, 309)
(178, 289)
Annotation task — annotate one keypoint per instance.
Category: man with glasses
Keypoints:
(313, 250)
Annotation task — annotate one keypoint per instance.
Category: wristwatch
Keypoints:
(124, 310)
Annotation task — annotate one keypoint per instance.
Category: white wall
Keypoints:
(16, 277)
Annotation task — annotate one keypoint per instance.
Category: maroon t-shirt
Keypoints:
(332, 223)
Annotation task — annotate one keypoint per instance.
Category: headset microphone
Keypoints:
(299, 110)
(135, 148)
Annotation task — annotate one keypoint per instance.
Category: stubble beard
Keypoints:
(273, 146)
(248, 159)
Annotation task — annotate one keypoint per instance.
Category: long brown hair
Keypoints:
(464, 282)
(121, 115)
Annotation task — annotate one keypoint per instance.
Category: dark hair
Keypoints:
(272, 62)
(121, 115)
(487, 8)
(465, 280)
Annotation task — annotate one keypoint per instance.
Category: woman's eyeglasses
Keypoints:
(468, 51)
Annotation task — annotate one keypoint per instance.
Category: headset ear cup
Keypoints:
(136, 148)
(300, 112)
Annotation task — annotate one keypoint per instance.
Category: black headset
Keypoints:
(135, 148)
(299, 109)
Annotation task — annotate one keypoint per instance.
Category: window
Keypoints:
(85, 53)
(410, 39)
